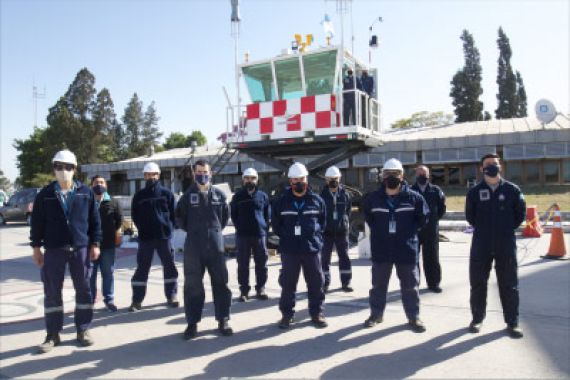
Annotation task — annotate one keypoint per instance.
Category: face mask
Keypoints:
(421, 179)
(250, 186)
(392, 182)
(333, 184)
(491, 170)
(99, 189)
(64, 176)
(202, 179)
(299, 187)
(151, 182)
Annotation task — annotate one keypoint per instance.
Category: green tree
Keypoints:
(34, 157)
(4, 182)
(466, 83)
(175, 140)
(198, 137)
(81, 93)
(506, 80)
(521, 97)
(150, 132)
(41, 180)
(104, 122)
(133, 120)
(423, 119)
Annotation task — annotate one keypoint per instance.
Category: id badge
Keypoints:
(335, 215)
(297, 230)
(392, 226)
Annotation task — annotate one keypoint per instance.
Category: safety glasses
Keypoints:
(61, 167)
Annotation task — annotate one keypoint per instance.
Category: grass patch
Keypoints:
(541, 196)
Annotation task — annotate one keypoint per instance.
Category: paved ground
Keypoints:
(148, 344)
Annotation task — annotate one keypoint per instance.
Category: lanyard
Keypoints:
(299, 206)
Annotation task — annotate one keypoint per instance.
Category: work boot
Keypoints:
(84, 338)
(135, 306)
(475, 327)
(224, 328)
(51, 341)
(417, 325)
(514, 331)
(435, 289)
(319, 321)
(243, 297)
(191, 331)
(111, 306)
(286, 322)
(347, 288)
(373, 320)
(261, 295)
(173, 302)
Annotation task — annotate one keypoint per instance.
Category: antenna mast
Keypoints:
(236, 26)
(35, 96)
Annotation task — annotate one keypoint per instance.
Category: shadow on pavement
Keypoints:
(406, 362)
(266, 360)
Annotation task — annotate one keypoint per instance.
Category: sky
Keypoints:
(179, 53)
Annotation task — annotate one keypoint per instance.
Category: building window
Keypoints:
(470, 174)
(532, 173)
(351, 178)
(551, 171)
(514, 172)
(288, 76)
(566, 164)
(319, 72)
(454, 176)
(438, 176)
(259, 80)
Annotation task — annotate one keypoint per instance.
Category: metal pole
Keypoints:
(235, 33)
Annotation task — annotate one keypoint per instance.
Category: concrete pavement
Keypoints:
(148, 344)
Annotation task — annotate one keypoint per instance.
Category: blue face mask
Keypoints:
(491, 170)
(202, 179)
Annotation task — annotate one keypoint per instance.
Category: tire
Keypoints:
(2, 220)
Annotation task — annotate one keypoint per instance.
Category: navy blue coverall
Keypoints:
(495, 215)
(204, 215)
(250, 215)
(66, 226)
(339, 209)
(394, 224)
(349, 99)
(299, 222)
(429, 235)
(152, 211)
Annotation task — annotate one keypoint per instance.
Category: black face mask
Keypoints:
(151, 182)
(392, 182)
(250, 186)
(99, 189)
(491, 170)
(333, 184)
(421, 179)
(299, 187)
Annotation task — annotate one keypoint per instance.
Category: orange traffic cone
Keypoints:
(532, 228)
(557, 249)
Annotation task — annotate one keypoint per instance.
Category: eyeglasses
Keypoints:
(62, 167)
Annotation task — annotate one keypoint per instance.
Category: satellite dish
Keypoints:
(545, 111)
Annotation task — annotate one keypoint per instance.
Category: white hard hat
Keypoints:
(151, 167)
(393, 164)
(249, 172)
(333, 171)
(297, 170)
(65, 157)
